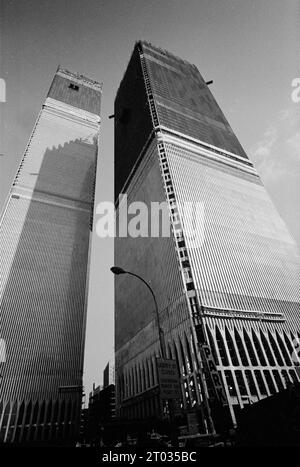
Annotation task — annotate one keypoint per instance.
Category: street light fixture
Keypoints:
(117, 271)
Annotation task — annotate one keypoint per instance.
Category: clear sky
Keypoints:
(249, 48)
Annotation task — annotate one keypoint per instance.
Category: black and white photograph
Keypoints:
(149, 229)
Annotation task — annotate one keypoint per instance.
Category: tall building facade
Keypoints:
(45, 233)
(109, 374)
(235, 289)
(102, 406)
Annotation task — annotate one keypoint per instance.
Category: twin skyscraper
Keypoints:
(235, 294)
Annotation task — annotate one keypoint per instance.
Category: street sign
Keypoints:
(70, 389)
(168, 377)
(215, 375)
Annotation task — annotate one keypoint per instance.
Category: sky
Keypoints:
(249, 48)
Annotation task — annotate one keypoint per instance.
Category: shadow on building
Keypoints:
(43, 303)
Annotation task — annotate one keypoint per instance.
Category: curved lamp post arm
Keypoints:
(151, 291)
(117, 270)
(160, 330)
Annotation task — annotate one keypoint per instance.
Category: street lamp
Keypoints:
(116, 270)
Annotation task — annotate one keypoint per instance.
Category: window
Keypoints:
(241, 383)
(230, 383)
(231, 348)
(283, 350)
(270, 382)
(195, 352)
(193, 391)
(182, 355)
(187, 274)
(137, 383)
(69, 411)
(186, 393)
(285, 377)
(169, 351)
(212, 345)
(49, 411)
(74, 87)
(267, 349)
(288, 343)
(141, 378)
(35, 413)
(250, 349)
(261, 383)
(251, 384)
(188, 356)
(21, 413)
(13, 416)
(275, 349)
(278, 380)
(222, 348)
(55, 414)
(28, 414)
(177, 359)
(241, 348)
(62, 412)
(259, 350)
(293, 376)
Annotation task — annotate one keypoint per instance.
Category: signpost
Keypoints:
(215, 375)
(168, 377)
(67, 389)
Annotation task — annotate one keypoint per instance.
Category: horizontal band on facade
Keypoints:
(61, 109)
(245, 315)
(182, 140)
(245, 312)
(50, 200)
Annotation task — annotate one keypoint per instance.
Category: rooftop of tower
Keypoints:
(76, 90)
(141, 42)
(165, 52)
(77, 77)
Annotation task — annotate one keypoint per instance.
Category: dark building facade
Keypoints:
(101, 411)
(173, 144)
(45, 235)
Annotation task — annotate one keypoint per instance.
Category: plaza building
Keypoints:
(231, 284)
(45, 234)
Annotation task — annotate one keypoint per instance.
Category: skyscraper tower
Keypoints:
(45, 233)
(236, 290)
